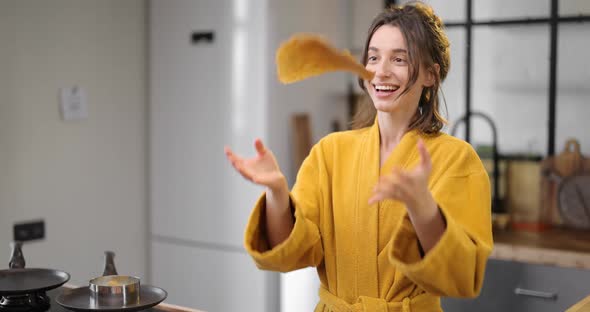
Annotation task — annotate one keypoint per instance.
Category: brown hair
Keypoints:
(427, 45)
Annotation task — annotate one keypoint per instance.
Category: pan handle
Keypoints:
(109, 264)
(17, 260)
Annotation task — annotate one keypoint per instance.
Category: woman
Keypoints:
(394, 214)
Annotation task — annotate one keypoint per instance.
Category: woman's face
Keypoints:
(387, 56)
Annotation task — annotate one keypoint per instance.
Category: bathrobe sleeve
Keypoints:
(455, 266)
(303, 247)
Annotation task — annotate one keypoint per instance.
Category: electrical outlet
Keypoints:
(31, 230)
(73, 104)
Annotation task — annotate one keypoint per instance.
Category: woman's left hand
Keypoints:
(409, 187)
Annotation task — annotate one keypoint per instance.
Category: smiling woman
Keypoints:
(382, 211)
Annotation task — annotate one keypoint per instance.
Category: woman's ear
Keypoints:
(431, 74)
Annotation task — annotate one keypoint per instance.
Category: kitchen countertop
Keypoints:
(582, 306)
(558, 247)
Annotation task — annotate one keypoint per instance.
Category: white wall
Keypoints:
(87, 179)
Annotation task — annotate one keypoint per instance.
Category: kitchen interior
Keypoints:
(114, 115)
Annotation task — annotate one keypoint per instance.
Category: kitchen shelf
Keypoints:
(557, 247)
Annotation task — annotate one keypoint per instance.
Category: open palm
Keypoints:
(261, 169)
(410, 187)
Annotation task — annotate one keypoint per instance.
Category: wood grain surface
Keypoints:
(302, 140)
(558, 247)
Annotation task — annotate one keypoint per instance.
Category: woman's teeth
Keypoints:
(386, 88)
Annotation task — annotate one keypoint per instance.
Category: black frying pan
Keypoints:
(26, 281)
(80, 299)
(20, 281)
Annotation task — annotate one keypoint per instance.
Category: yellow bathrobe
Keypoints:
(368, 256)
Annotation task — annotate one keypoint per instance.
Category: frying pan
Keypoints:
(20, 281)
(84, 299)
(81, 299)
(27, 281)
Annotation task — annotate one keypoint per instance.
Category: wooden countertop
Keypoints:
(582, 306)
(558, 247)
(174, 308)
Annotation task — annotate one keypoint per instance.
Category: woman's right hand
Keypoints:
(262, 169)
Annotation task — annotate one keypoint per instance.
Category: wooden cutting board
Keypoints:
(567, 163)
(302, 140)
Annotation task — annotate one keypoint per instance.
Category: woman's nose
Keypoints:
(383, 70)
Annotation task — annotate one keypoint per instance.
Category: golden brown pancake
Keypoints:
(308, 55)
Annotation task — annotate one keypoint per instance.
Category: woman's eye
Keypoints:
(399, 60)
(372, 58)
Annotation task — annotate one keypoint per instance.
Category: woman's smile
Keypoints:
(384, 91)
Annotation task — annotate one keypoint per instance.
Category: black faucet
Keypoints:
(496, 201)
